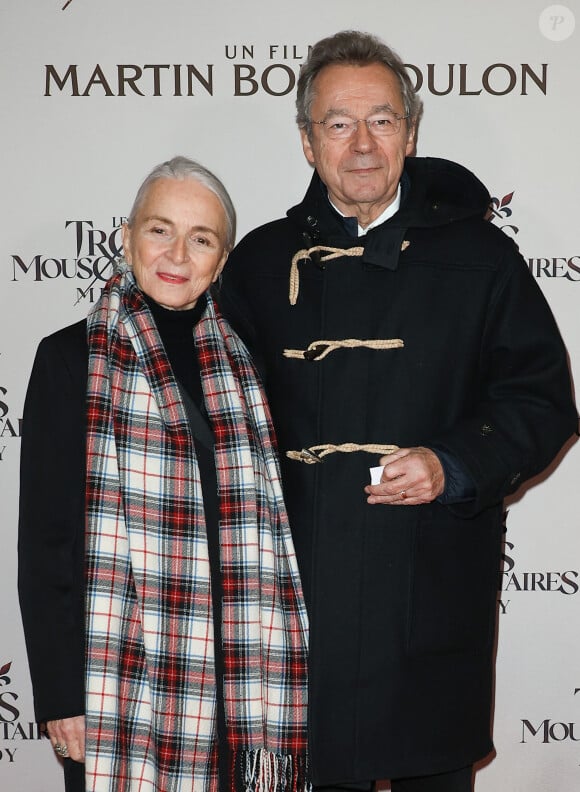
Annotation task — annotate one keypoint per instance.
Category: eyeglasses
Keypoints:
(339, 127)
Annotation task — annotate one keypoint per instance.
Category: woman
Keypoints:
(151, 519)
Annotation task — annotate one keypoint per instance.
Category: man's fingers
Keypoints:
(410, 476)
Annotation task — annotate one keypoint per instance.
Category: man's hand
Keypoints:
(69, 734)
(411, 476)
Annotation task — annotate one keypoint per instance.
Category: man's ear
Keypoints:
(411, 140)
(307, 146)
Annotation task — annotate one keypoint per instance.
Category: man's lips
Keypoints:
(363, 171)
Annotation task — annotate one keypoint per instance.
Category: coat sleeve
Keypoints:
(525, 411)
(51, 524)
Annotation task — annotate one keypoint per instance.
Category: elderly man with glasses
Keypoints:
(396, 330)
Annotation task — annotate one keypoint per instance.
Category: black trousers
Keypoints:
(74, 776)
(456, 781)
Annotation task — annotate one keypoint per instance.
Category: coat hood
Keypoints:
(435, 192)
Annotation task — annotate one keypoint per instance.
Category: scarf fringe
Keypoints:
(264, 771)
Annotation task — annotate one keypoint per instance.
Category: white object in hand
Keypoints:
(376, 473)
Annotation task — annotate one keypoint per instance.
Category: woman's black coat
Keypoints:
(52, 506)
(52, 523)
(402, 600)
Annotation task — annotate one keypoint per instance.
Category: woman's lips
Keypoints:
(167, 277)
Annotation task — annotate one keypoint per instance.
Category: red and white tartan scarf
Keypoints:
(151, 690)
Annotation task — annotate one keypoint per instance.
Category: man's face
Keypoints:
(362, 172)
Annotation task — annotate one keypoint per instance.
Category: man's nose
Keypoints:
(362, 140)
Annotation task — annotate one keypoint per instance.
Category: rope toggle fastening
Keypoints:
(318, 350)
(317, 453)
(304, 255)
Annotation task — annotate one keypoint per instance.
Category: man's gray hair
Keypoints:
(181, 168)
(351, 47)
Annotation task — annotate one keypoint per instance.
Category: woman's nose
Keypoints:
(179, 249)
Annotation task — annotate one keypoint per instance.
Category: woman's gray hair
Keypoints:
(183, 168)
(351, 47)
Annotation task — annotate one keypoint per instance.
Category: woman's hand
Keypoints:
(68, 737)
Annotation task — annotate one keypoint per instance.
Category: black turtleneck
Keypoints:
(176, 331)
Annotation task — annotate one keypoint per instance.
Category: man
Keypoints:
(386, 313)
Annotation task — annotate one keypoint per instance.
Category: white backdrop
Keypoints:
(95, 94)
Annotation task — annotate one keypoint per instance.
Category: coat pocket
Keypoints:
(454, 582)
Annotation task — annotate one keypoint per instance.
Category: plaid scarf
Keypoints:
(151, 683)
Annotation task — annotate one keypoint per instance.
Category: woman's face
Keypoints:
(176, 244)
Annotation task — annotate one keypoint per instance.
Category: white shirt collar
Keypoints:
(391, 209)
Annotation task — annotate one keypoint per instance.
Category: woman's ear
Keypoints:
(126, 237)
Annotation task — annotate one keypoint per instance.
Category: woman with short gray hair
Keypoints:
(164, 618)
